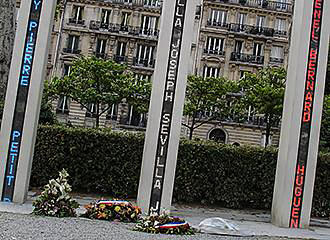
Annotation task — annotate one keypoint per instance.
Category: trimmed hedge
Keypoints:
(109, 162)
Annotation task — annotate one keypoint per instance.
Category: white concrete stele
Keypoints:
(23, 97)
(295, 174)
(166, 107)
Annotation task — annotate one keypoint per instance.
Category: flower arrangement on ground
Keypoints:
(164, 224)
(112, 210)
(55, 200)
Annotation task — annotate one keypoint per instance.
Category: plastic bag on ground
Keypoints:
(218, 226)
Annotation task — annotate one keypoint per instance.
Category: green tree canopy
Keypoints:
(264, 91)
(208, 99)
(101, 83)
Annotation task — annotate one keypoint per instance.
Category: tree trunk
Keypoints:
(97, 115)
(268, 129)
(7, 35)
(191, 128)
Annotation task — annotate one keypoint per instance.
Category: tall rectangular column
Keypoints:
(23, 98)
(295, 174)
(166, 107)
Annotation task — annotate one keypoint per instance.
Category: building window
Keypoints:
(149, 25)
(91, 110)
(67, 70)
(282, 4)
(128, 1)
(125, 19)
(72, 44)
(139, 76)
(258, 49)
(217, 17)
(211, 72)
(238, 46)
(243, 73)
(280, 26)
(120, 56)
(136, 119)
(263, 140)
(277, 54)
(215, 46)
(63, 105)
(105, 18)
(145, 55)
(218, 135)
(260, 22)
(151, 3)
(77, 15)
(241, 19)
(112, 112)
(100, 48)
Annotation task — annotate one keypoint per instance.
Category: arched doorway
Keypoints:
(218, 135)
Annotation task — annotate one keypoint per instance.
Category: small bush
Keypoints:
(55, 200)
(110, 162)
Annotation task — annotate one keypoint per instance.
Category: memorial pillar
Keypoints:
(166, 107)
(23, 98)
(296, 165)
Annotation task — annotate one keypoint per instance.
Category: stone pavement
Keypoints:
(15, 223)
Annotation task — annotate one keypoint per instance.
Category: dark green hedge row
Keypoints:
(109, 162)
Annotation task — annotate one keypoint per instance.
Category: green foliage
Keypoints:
(105, 210)
(152, 224)
(102, 83)
(55, 200)
(109, 162)
(208, 95)
(325, 126)
(264, 91)
(47, 116)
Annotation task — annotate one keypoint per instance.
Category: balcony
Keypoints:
(71, 50)
(137, 3)
(248, 29)
(217, 24)
(280, 33)
(147, 63)
(246, 58)
(149, 32)
(120, 59)
(101, 55)
(126, 29)
(276, 60)
(74, 21)
(214, 52)
(265, 4)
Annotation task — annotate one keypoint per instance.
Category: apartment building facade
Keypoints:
(231, 37)
(239, 36)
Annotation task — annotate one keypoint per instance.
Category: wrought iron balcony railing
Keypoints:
(118, 28)
(214, 52)
(75, 21)
(148, 63)
(71, 50)
(276, 60)
(255, 30)
(101, 55)
(265, 4)
(120, 59)
(246, 58)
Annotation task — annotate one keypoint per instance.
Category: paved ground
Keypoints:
(16, 222)
(26, 227)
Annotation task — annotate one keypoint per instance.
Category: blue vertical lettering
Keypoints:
(33, 24)
(36, 4)
(16, 134)
(6, 199)
(10, 178)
